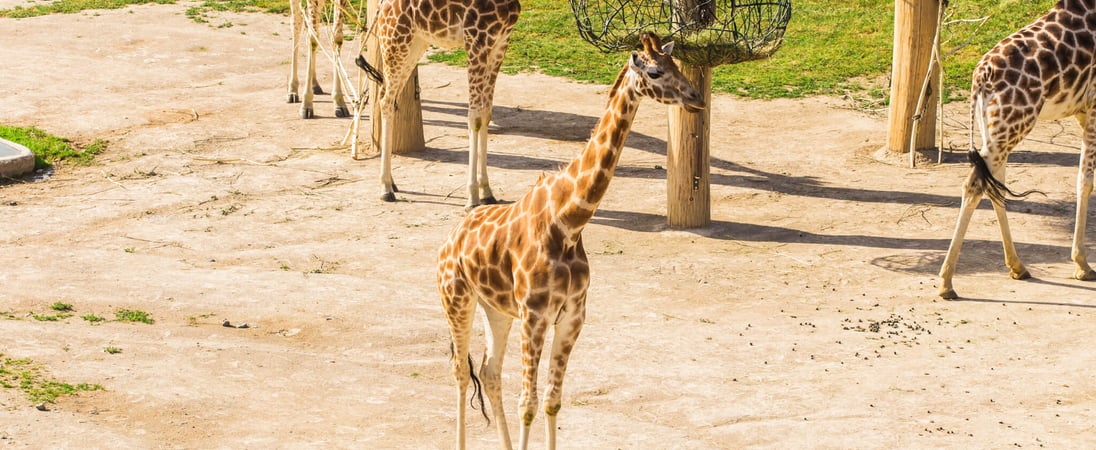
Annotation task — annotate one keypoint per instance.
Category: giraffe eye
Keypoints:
(654, 73)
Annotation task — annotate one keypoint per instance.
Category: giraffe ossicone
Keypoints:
(404, 29)
(1044, 71)
(525, 260)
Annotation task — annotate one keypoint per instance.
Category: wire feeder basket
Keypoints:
(705, 32)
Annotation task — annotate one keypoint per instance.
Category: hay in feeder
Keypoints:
(705, 32)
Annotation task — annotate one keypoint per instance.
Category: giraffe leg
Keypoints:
(488, 99)
(317, 15)
(387, 184)
(971, 196)
(1012, 259)
(1084, 190)
(491, 371)
(460, 311)
(337, 96)
(296, 18)
(396, 73)
(484, 62)
(306, 106)
(477, 139)
(566, 333)
(533, 330)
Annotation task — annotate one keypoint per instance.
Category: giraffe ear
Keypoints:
(668, 47)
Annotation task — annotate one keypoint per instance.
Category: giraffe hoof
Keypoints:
(1021, 275)
(489, 200)
(948, 294)
(307, 113)
(389, 197)
(1088, 275)
(342, 112)
(293, 98)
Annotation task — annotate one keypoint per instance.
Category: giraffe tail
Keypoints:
(984, 180)
(477, 388)
(369, 70)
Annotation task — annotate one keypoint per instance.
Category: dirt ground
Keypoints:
(805, 316)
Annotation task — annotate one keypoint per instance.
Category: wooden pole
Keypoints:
(914, 29)
(688, 192)
(407, 134)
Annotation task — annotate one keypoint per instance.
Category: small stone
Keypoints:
(41, 407)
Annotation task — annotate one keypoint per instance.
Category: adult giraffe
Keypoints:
(526, 261)
(404, 28)
(1044, 71)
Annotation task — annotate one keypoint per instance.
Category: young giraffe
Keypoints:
(526, 261)
(404, 29)
(1042, 72)
(314, 8)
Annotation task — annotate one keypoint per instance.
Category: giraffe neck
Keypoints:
(577, 191)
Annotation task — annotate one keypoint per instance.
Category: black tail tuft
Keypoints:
(369, 70)
(477, 388)
(993, 188)
(477, 392)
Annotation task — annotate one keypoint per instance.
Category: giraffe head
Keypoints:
(655, 75)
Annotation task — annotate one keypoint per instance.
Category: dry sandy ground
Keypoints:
(805, 316)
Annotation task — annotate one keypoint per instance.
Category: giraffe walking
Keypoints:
(404, 29)
(526, 261)
(314, 8)
(1044, 71)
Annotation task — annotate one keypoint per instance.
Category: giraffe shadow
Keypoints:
(1037, 302)
(569, 127)
(979, 256)
(551, 125)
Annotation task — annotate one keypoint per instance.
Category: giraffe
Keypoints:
(298, 21)
(525, 260)
(404, 29)
(1044, 71)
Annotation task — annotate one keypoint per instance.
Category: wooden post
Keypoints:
(407, 134)
(688, 193)
(914, 29)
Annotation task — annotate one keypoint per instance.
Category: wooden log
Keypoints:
(407, 133)
(915, 24)
(688, 192)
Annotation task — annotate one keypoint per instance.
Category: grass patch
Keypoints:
(133, 315)
(49, 149)
(830, 48)
(110, 349)
(29, 377)
(62, 307)
(50, 317)
(92, 318)
(71, 7)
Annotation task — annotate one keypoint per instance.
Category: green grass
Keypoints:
(49, 149)
(110, 349)
(62, 307)
(831, 48)
(71, 7)
(132, 315)
(50, 317)
(92, 318)
(29, 377)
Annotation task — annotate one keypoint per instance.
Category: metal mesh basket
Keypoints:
(705, 32)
